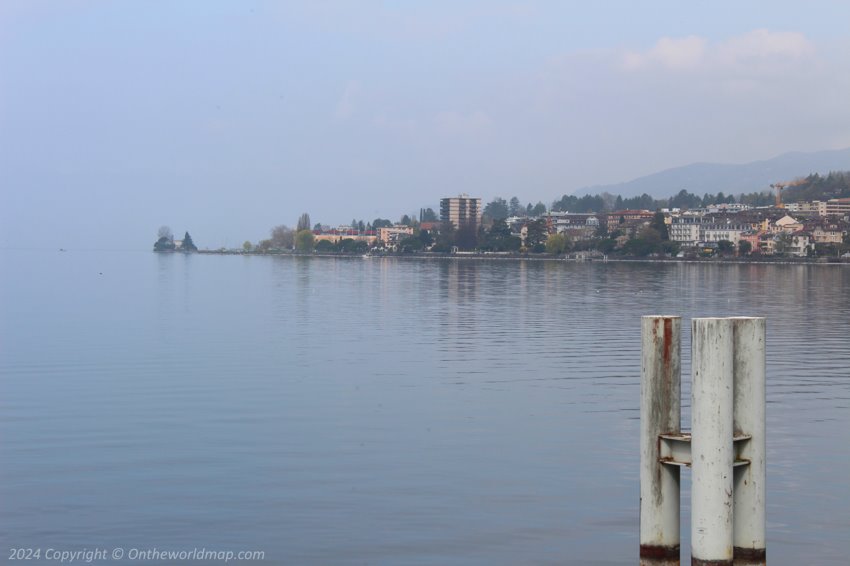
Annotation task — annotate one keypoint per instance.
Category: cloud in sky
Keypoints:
(751, 52)
(671, 53)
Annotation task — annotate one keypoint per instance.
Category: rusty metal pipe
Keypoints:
(661, 412)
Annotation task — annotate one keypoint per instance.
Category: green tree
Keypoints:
(511, 244)
(643, 202)
(445, 238)
(188, 245)
(744, 247)
(828, 250)
(495, 236)
(381, 223)
(782, 244)
(537, 210)
(497, 209)
(466, 236)
(426, 238)
(304, 241)
(515, 208)
(346, 245)
(428, 215)
(325, 246)
(247, 245)
(638, 247)
(303, 222)
(670, 247)
(163, 244)
(589, 203)
(685, 200)
(535, 234)
(556, 244)
(410, 244)
(565, 204)
(725, 247)
(650, 235)
(606, 245)
(165, 240)
(660, 226)
(499, 238)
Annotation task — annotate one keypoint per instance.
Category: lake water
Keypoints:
(387, 411)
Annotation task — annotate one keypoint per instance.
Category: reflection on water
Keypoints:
(337, 411)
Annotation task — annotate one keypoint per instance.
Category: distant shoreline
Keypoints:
(530, 257)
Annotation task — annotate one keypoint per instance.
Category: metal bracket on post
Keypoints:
(725, 450)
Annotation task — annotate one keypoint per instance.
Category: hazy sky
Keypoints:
(227, 118)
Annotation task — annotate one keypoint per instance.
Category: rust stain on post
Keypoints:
(661, 552)
(750, 556)
(660, 414)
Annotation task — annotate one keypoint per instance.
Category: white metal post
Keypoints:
(749, 419)
(660, 413)
(712, 451)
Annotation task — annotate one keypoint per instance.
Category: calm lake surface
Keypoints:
(385, 411)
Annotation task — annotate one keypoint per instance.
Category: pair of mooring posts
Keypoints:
(725, 448)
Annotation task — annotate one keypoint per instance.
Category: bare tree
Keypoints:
(283, 237)
(165, 232)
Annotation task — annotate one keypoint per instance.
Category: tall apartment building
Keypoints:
(461, 210)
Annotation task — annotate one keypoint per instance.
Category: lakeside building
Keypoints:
(768, 231)
(336, 235)
(831, 207)
(724, 231)
(826, 232)
(815, 207)
(786, 224)
(727, 207)
(838, 207)
(614, 219)
(461, 210)
(394, 234)
(578, 226)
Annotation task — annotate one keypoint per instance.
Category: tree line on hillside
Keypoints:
(816, 187)
(500, 209)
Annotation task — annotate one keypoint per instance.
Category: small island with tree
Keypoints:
(166, 243)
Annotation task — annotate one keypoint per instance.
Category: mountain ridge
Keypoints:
(705, 177)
